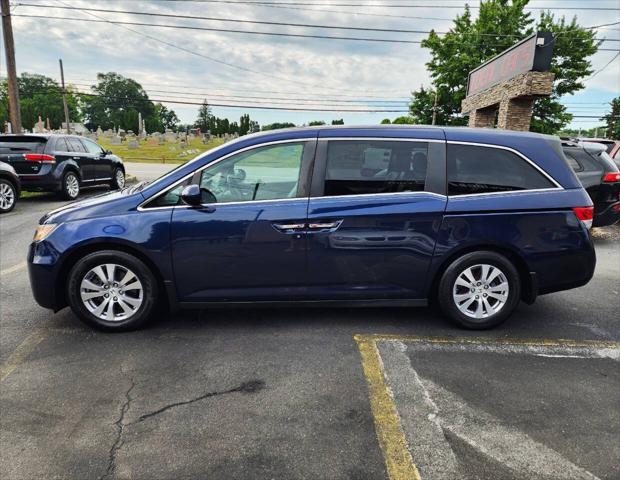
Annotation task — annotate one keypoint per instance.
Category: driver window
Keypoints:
(264, 173)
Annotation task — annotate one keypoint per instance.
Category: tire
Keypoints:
(479, 305)
(92, 278)
(8, 196)
(70, 188)
(118, 179)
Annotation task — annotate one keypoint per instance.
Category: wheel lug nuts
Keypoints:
(478, 284)
(477, 296)
(484, 294)
(106, 295)
(472, 290)
(106, 286)
(115, 299)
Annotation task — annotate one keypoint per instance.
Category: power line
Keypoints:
(382, 5)
(207, 57)
(295, 35)
(228, 89)
(189, 94)
(225, 30)
(260, 22)
(604, 67)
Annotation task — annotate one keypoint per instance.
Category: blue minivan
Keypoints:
(474, 220)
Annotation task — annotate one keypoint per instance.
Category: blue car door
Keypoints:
(247, 241)
(374, 214)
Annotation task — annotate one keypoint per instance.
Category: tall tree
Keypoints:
(204, 116)
(40, 96)
(612, 120)
(116, 102)
(470, 42)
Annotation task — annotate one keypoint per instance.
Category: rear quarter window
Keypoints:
(474, 169)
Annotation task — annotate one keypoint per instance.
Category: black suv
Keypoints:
(60, 163)
(599, 175)
(9, 188)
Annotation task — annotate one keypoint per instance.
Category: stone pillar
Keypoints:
(515, 114)
(482, 118)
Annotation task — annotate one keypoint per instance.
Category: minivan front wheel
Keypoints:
(112, 291)
(479, 290)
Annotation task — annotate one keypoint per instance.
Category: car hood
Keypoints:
(108, 203)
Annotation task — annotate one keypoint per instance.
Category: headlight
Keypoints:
(43, 231)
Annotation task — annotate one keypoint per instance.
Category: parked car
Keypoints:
(10, 188)
(599, 175)
(473, 219)
(611, 146)
(61, 163)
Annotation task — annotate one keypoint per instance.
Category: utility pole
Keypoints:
(64, 95)
(11, 71)
(435, 108)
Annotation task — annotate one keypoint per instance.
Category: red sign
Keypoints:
(508, 64)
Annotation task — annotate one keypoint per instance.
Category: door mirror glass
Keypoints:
(192, 195)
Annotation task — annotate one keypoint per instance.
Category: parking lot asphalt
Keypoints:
(289, 394)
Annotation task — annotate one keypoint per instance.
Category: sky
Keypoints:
(245, 69)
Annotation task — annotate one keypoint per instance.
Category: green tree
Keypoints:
(612, 122)
(40, 96)
(316, 123)
(276, 126)
(116, 102)
(386, 121)
(404, 120)
(470, 42)
(204, 116)
(338, 121)
(244, 124)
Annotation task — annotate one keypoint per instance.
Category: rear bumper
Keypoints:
(569, 270)
(36, 183)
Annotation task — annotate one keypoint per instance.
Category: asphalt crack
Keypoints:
(252, 386)
(120, 427)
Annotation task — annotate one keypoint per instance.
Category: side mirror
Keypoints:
(192, 196)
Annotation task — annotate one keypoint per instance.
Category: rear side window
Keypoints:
(16, 144)
(473, 169)
(61, 145)
(358, 167)
(75, 145)
(574, 164)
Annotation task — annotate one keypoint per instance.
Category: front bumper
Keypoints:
(43, 274)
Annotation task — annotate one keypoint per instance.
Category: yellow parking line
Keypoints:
(542, 342)
(398, 460)
(21, 353)
(390, 434)
(13, 269)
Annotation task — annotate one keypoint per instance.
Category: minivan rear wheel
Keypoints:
(112, 291)
(479, 290)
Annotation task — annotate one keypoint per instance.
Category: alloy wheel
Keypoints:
(480, 291)
(72, 185)
(111, 292)
(120, 179)
(7, 197)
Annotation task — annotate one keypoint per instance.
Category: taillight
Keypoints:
(611, 177)
(39, 157)
(585, 215)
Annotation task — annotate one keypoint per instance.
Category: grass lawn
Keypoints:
(151, 151)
